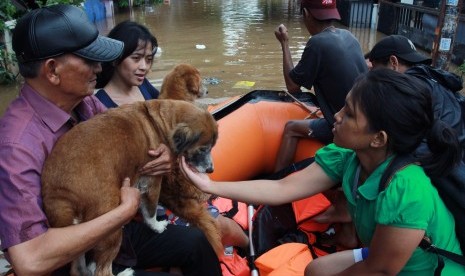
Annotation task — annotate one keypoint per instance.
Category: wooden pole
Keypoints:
(445, 33)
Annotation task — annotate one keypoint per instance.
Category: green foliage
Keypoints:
(9, 12)
(6, 60)
(461, 69)
(69, 2)
(136, 3)
(122, 3)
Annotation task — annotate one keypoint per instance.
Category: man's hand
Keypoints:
(161, 162)
(130, 197)
(281, 33)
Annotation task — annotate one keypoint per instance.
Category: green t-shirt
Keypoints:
(409, 201)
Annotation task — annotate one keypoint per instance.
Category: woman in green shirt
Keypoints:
(386, 113)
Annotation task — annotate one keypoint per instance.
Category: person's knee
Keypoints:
(295, 128)
(231, 232)
(331, 264)
(290, 126)
(319, 266)
(312, 268)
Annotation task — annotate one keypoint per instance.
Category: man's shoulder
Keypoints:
(18, 113)
(335, 40)
(93, 102)
(20, 130)
(447, 80)
(90, 106)
(332, 33)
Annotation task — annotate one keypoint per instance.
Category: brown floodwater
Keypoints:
(232, 43)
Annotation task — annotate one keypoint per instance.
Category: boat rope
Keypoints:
(312, 112)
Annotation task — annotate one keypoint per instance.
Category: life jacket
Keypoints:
(288, 259)
(232, 209)
(232, 264)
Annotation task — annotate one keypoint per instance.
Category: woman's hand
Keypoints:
(201, 180)
(161, 162)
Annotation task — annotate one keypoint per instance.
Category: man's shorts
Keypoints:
(321, 130)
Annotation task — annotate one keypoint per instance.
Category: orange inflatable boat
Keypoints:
(249, 136)
(250, 130)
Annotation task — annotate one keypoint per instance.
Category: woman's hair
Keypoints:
(401, 105)
(130, 33)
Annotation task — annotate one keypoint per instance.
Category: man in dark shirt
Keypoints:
(331, 61)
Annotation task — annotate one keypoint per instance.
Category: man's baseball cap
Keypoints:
(321, 9)
(399, 46)
(55, 30)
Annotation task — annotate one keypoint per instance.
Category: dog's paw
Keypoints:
(158, 226)
(126, 272)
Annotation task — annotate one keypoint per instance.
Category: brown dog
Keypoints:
(183, 83)
(84, 172)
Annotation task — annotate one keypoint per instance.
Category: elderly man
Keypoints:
(59, 53)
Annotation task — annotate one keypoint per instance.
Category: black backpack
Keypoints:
(452, 192)
(461, 99)
(445, 86)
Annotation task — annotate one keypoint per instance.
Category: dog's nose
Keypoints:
(209, 169)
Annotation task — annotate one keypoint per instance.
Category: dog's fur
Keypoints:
(84, 172)
(183, 83)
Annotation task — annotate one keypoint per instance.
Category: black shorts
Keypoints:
(321, 130)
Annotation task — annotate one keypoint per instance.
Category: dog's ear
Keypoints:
(184, 137)
(193, 83)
